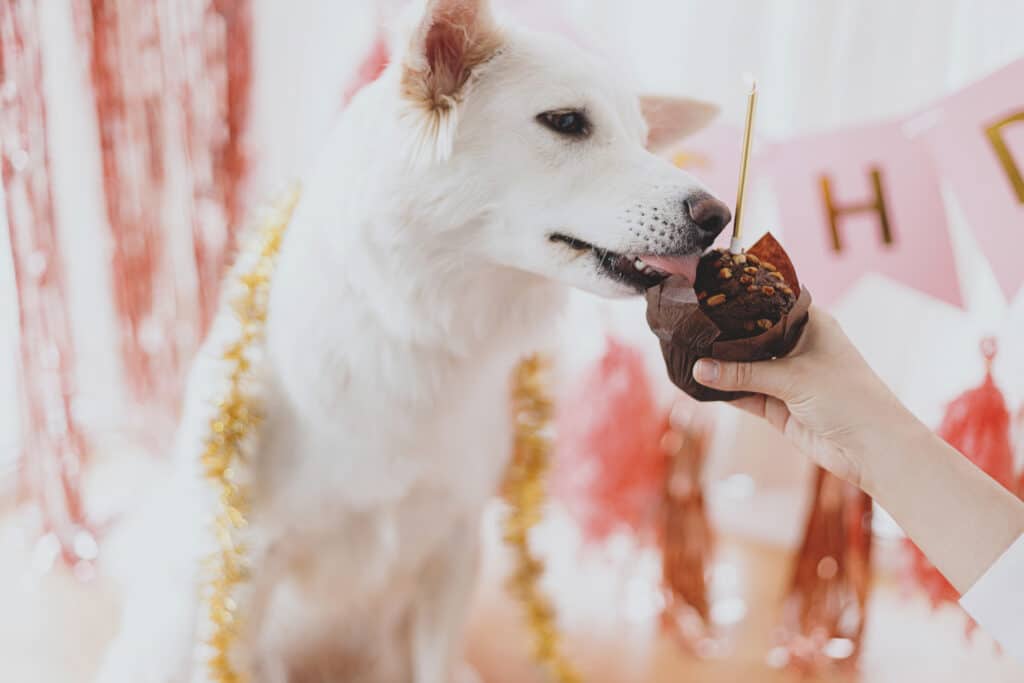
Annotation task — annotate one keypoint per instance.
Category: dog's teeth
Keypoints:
(639, 265)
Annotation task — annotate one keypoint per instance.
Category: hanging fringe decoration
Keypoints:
(825, 609)
(524, 491)
(217, 98)
(976, 423)
(686, 537)
(122, 38)
(52, 444)
(171, 83)
(611, 469)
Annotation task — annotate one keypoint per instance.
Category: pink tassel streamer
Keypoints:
(171, 85)
(124, 43)
(52, 442)
(171, 82)
(610, 470)
(216, 105)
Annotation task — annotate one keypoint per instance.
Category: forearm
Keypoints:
(961, 518)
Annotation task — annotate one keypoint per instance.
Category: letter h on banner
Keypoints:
(822, 208)
(877, 205)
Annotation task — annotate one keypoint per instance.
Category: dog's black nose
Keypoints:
(710, 215)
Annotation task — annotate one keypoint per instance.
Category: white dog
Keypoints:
(486, 170)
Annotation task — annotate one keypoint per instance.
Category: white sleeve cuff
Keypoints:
(996, 600)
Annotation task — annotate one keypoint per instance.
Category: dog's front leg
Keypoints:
(441, 606)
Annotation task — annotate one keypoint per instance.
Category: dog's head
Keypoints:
(550, 153)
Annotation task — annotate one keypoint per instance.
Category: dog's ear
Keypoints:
(453, 38)
(669, 119)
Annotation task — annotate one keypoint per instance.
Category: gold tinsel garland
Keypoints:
(524, 492)
(230, 430)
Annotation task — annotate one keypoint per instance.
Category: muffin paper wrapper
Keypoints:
(687, 334)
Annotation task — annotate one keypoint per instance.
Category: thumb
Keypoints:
(763, 377)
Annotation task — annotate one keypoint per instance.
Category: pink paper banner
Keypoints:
(977, 143)
(859, 200)
(712, 155)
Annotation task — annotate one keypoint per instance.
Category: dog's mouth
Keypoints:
(639, 271)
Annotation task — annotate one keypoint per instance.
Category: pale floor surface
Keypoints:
(53, 630)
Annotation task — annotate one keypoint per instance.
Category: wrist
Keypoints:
(892, 454)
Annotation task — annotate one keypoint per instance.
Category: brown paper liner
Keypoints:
(687, 334)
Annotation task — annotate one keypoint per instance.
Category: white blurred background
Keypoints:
(820, 65)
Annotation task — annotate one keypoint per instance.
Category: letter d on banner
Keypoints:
(1002, 150)
(977, 144)
(863, 200)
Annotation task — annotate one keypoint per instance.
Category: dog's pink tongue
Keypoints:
(684, 266)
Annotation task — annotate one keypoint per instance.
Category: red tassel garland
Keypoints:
(826, 605)
(686, 538)
(611, 469)
(976, 423)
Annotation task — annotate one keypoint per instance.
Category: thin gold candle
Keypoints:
(736, 245)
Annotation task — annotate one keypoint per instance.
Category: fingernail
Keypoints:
(706, 370)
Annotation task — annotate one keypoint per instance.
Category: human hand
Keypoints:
(827, 401)
(823, 396)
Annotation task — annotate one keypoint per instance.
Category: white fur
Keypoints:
(405, 293)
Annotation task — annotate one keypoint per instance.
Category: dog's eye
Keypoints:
(566, 122)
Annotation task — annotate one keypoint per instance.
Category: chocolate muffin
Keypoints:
(743, 294)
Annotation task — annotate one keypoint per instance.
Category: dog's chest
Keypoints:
(381, 487)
